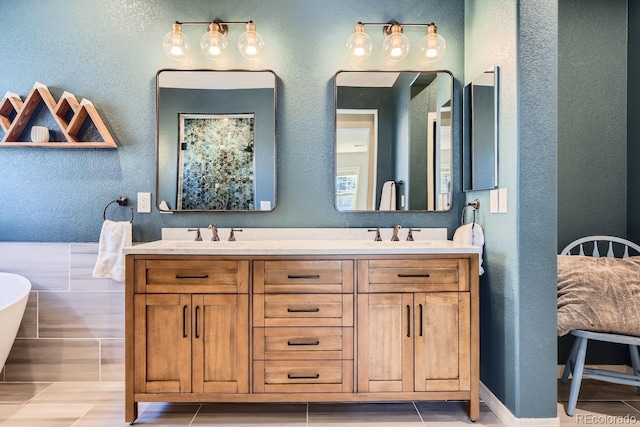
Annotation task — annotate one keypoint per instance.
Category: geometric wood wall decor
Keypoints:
(69, 114)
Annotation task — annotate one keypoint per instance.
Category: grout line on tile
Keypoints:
(194, 416)
(419, 414)
(39, 393)
(82, 416)
(100, 359)
(630, 406)
(37, 314)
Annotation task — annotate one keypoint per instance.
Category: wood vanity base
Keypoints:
(301, 328)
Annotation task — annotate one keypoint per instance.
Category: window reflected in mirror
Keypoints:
(393, 140)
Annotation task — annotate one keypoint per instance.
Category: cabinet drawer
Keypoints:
(303, 310)
(161, 276)
(331, 276)
(302, 343)
(291, 376)
(412, 275)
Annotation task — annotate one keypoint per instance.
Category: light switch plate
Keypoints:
(493, 201)
(502, 200)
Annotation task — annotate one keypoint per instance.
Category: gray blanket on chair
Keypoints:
(599, 294)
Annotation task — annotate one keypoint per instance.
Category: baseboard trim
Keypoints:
(507, 418)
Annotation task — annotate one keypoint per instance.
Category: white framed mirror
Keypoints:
(393, 146)
(215, 140)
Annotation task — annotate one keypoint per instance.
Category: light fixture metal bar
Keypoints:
(214, 21)
(387, 24)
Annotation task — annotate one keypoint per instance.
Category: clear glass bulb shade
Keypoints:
(433, 47)
(175, 45)
(250, 44)
(359, 45)
(396, 45)
(213, 44)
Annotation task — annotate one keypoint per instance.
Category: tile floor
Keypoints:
(99, 404)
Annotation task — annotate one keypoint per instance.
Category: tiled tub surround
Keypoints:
(73, 327)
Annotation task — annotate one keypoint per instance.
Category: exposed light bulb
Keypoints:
(359, 43)
(250, 42)
(433, 45)
(175, 44)
(213, 42)
(396, 44)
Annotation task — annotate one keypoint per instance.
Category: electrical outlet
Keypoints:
(144, 202)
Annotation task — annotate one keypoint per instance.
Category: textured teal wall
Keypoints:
(592, 119)
(633, 130)
(592, 133)
(109, 52)
(518, 289)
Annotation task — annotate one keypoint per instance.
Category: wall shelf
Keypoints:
(69, 114)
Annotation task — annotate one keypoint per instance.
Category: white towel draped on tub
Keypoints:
(388, 197)
(471, 234)
(114, 236)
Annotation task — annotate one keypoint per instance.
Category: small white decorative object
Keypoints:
(39, 134)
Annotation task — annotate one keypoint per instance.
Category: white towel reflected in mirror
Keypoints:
(388, 197)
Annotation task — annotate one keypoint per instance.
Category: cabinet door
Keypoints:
(220, 343)
(162, 343)
(442, 361)
(385, 342)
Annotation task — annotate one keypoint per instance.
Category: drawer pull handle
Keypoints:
(303, 343)
(413, 275)
(303, 310)
(192, 276)
(197, 320)
(408, 320)
(303, 377)
(421, 320)
(184, 321)
(303, 276)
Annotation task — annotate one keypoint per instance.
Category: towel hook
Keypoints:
(122, 201)
(475, 204)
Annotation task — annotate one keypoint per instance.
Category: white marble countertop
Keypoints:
(299, 247)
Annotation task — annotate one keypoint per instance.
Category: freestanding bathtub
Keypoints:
(14, 292)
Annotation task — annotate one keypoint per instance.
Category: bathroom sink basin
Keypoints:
(208, 244)
(400, 244)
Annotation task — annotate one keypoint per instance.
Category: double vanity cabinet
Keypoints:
(303, 323)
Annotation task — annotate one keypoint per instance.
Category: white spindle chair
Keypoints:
(575, 362)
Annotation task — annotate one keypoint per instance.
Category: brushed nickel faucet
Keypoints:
(232, 237)
(214, 232)
(198, 234)
(377, 238)
(396, 229)
(410, 235)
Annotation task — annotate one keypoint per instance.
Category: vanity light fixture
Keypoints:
(175, 43)
(359, 43)
(214, 42)
(433, 44)
(396, 43)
